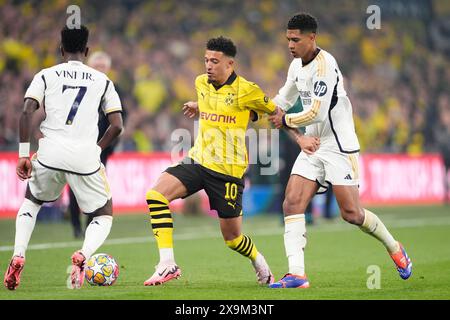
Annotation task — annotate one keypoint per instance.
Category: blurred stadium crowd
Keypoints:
(397, 77)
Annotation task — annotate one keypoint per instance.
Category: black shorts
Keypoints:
(224, 191)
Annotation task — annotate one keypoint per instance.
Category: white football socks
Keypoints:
(166, 256)
(96, 234)
(373, 226)
(25, 222)
(295, 242)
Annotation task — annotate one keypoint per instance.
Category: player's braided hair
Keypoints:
(74, 40)
(223, 45)
(303, 22)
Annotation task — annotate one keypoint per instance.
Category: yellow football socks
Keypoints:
(244, 245)
(161, 219)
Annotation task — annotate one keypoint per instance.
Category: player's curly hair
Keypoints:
(74, 40)
(304, 22)
(222, 44)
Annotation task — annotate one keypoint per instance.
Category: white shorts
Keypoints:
(91, 191)
(328, 167)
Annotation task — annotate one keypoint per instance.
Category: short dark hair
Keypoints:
(303, 22)
(222, 44)
(74, 40)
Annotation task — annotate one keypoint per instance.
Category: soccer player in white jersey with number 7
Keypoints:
(314, 76)
(71, 94)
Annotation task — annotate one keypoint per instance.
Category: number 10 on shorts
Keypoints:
(231, 191)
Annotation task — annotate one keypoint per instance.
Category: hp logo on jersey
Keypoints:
(320, 88)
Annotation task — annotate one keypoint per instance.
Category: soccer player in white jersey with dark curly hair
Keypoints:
(71, 94)
(314, 76)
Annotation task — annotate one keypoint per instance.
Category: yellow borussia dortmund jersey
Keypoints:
(224, 114)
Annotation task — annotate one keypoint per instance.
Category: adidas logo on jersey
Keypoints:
(348, 177)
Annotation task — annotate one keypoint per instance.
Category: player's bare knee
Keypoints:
(352, 215)
(294, 204)
(161, 194)
(106, 210)
(288, 206)
(230, 235)
(167, 186)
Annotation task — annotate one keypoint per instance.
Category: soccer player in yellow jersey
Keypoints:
(217, 161)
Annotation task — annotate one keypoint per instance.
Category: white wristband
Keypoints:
(24, 150)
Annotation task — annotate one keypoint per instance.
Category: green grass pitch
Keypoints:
(338, 256)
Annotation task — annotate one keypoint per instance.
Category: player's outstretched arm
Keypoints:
(114, 130)
(190, 109)
(24, 167)
(308, 144)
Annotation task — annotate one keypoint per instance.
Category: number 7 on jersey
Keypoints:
(76, 102)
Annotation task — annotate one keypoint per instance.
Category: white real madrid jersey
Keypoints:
(71, 94)
(327, 111)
